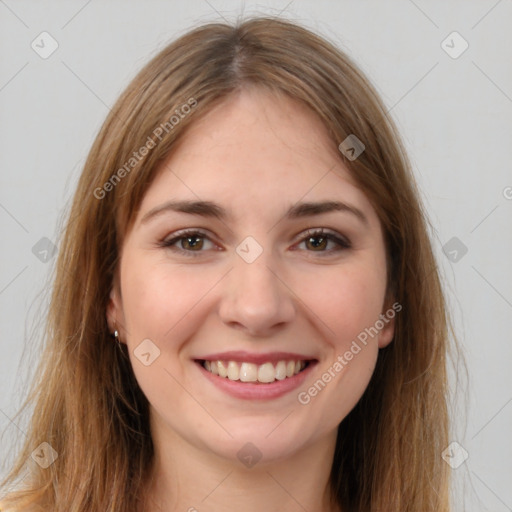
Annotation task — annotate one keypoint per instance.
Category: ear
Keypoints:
(387, 317)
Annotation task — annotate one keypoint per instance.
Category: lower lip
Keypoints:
(255, 391)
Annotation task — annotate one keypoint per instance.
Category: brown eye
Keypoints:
(193, 243)
(188, 243)
(320, 241)
(317, 242)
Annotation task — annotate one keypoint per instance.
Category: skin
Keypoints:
(256, 155)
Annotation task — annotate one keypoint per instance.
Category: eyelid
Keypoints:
(181, 233)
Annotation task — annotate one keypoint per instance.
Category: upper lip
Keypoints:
(241, 356)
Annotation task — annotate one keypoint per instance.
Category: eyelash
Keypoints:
(342, 242)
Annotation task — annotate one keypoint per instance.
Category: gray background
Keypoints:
(454, 113)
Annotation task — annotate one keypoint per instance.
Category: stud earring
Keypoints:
(116, 335)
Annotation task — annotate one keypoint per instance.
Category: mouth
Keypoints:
(253, 373)
(255, 376)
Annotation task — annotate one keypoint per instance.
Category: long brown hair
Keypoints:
(86, 402)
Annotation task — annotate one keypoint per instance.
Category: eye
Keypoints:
(193, 242)
(188, 242)
(319, 240)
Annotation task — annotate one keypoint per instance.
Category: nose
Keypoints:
(255, 298)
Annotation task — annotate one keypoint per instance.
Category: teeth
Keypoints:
(281, 370)
(233, 371)
(266, 373)
(250, 372)
(223, 370)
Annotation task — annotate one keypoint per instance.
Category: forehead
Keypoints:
(253, 150)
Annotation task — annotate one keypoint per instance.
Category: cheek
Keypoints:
(157, 298)
(346, 300)
(160, 303)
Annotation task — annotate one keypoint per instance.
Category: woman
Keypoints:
(247, 313)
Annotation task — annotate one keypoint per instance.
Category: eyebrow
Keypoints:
(213, 210)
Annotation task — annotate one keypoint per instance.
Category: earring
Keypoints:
(116, 335)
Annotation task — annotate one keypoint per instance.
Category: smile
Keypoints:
(255, 376)
(265, 373)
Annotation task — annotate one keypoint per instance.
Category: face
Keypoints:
(253, 254)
